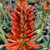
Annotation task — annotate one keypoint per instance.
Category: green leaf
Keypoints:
(3, 38)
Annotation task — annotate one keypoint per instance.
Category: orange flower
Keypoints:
(46, 7)
(4, 11)
(22, 28)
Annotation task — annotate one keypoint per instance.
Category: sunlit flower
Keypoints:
(22, 28)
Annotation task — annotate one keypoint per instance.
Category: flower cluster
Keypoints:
(22, 28)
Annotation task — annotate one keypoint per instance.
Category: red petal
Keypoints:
(23, 23)
(32, 44)
(12, 10)
(19, 45)
(27, 31)
(29, 8)
(18, 7)
(26, 39)
(30, 15)
(29, 42)
(31, 23)
(32, 9)
(20, 31)
(14, 21)
(29, 27)
(20, 48)
(11, 36)
(34, 36)
(32, 30)
(10, 40)
(16, 16)
(24, 27)
(19, 26)
(14, 26)
(19, 36)
(24, 47)
(30, 34)
(13, 49)
(15, 31)
(30, 19)
(17, 13)
(12, 15)
(11, 44)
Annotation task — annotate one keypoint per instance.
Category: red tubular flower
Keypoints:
(22, 28)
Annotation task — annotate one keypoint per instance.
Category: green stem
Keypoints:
(3, 36)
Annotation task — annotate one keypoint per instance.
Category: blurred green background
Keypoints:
(42, 23)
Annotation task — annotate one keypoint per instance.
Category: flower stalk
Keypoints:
(22, 28)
